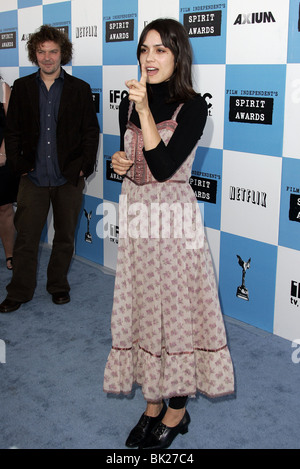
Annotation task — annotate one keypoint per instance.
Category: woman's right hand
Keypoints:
(120, 163)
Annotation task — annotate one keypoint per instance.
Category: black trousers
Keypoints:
(33, 206)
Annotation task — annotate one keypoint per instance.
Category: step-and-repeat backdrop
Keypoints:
(246, 175)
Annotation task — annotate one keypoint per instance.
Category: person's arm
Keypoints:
(13, 132)
(138, 94)
(165, 160)
(90, 139)
(6, 96)
(151, 137)
(120, 163)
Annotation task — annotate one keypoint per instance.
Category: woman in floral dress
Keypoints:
(167, 328)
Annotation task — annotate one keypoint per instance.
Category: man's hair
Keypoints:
(48, 33)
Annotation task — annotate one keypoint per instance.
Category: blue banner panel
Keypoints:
(206, 182)
(254, 108)
(247, 280)
(112, 183)
(289, 227)
(93, 76)
(294, 32)
(59, 16)
(206, 26)
(9, 49)
(120, 32)
(29, 3)
(89, 241)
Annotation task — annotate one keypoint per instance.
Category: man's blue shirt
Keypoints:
(47, 172)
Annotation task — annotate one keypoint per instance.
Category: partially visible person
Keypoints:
(8, 184)
(52, 137)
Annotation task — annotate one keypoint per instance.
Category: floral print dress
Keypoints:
(168, 333)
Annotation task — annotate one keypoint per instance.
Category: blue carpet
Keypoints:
(51, 384)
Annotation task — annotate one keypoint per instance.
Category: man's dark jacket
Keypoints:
(77, 128)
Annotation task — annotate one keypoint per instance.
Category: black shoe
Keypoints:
(8, 306)
(142, 429)
(61, 298)
(162, 436)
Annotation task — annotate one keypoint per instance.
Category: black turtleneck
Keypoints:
(163, 160)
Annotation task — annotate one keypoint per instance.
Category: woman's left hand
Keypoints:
(138, 91)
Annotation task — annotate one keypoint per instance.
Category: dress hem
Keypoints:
(170, 396)
(169, 375)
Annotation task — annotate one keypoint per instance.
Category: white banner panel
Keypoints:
(110, 234)
(213, 239)
(94, 184)
(114, 90)
(287, 299)
(251, 196)
(209, 81)
(291, 144)
(10, 74)
(87, 33)
(29, 19)
(257, 31)
(149, 11)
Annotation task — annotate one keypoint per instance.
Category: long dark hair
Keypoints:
(175, 38)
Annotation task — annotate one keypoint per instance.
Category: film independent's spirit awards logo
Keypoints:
(242, 292)
(119, 30)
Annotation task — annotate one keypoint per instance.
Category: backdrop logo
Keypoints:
(204, 189)
(248, 195)
(63, 29)
(86, 31)
(242, 292)
(208, 97)
(110, 174)
(114, 234)
(26, 36)
(252, 18)
(115, 97)
(294, 212)
(203, 24)
(118, 31)
(295, 293)
(8, 40)
(96, 99)
(251, 110)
